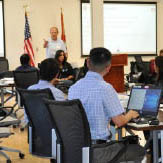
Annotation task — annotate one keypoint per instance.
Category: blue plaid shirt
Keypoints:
(42, 84)
(99, 100)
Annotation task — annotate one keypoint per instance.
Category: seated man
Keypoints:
(48, 72)
(25, 66)
(100, 100)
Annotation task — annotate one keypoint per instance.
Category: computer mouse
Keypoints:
(154, 122)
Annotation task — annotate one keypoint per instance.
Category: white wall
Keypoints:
(42, 15)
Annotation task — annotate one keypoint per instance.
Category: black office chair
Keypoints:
(146, 76)
(140, 73)
(79, 73)
(5, 121)
(42, 140)
(4, 68)
(74, 138)
(24, 79)
(5, 111)
(5, 73)
(3, 64)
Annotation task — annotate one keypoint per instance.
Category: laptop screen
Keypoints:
(145, 100)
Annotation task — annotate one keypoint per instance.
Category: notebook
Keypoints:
(145, 100)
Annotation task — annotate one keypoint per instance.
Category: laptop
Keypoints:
(145, 100)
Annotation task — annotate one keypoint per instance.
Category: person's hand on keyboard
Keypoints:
(133, 114)
(135, 120)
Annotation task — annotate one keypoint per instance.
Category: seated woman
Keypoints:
(66, 75)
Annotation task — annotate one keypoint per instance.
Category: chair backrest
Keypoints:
(79, 73)
(24, 79)
(39, 119)
(76, 73)
(72, 128)
(143, 67)
(4, 66)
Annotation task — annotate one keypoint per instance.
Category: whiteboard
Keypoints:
(128, 28)
(1, 31)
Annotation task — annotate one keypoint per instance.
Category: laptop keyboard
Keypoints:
(140, 121)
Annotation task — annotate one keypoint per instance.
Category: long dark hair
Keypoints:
(57, 55)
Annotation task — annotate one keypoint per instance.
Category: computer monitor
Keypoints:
(145, 100)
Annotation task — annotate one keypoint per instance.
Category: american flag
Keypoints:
(28, 42)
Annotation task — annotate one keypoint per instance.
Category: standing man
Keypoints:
(53, 44)
(101, 102)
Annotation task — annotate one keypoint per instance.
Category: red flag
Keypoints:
(63, 36)
(28, 42)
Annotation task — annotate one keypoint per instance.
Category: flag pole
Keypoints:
(28, 39)
(25, 8)
(63, 36)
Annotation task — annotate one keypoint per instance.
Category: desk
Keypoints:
(156, 132)
(4, 83)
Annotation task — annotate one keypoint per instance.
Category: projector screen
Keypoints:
(129, 28)
(2, 51)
